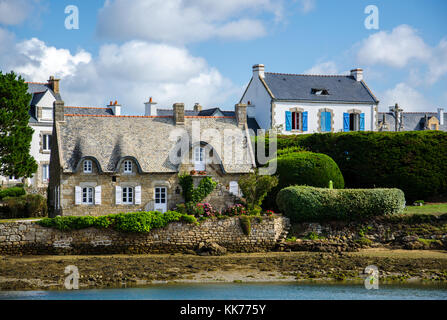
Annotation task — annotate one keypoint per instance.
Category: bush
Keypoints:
(254, 188)
(245, 225)
(413, 161)
(25, 206)
(136, 222)
(195, 195)
(302, 203)
(12, 192)
(304, 168)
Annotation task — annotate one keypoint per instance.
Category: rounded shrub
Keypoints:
(12, 192)
(302, 203)
(304, 168)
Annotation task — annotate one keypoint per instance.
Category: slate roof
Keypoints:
(412, 121)
(88, 111)
(299, 87)
(108, 139)
(251, 122)
(38, 90)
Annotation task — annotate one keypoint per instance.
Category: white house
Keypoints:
(295, 103)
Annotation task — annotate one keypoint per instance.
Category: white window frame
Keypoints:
(46, 142)
(298, 123)
(199, 158)
(127, 166)
(45, 177)
(128, 195)
(88, 195)
(88, 166)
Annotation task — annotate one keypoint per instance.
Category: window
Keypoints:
(88, 166)
(199, 159)
(297, 120)
(87, 195)
(354, 122)
(45, 173)
(12, 178)
(325, 121)
(127, 195)
(127, 166)
(47, 114)
(320, 92)
(46, 142)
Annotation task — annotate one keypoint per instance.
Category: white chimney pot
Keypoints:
(357, 74)
(258, 70)
(441, 116)
(149, 108)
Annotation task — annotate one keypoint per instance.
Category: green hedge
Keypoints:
(302, 203)
(25, 206)
(413, 161)
(12, 192)
(304, 168)
(136, 222)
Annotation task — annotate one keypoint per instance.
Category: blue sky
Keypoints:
(202, 51)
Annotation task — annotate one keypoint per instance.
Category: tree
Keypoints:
(255, 187)
(15, 133)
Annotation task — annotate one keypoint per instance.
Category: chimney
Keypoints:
(357, 74)
(241, 114)
(179, 113)
(116, 108)
(54, 84)
(441, 116)
(258, 70)
(149, 108)
(197, 107)
(58, 110)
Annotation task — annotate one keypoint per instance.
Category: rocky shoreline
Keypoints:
(116, 271)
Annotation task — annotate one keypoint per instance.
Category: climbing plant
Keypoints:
(195, 195)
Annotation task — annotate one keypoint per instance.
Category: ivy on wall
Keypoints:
(195, 195)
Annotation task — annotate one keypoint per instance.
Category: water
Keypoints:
(238, 291)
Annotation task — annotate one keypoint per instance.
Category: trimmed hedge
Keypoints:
(302, 203)
(413, 161)
(304, 168)
(12, 192)
(135, 222)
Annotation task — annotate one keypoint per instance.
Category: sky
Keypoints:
(203, 50)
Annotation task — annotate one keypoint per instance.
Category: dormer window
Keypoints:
(320, 92)
(88, 166)
(127, 166)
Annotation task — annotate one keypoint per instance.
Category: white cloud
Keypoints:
(307, 5)
(406, 96)
(129, 73)
(396, 48)
(438, 62)
(14, 12)
(328, 67)
(184, 21)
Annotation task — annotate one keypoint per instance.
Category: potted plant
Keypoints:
(192, 172)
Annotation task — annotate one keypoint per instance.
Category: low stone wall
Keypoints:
(31, 238)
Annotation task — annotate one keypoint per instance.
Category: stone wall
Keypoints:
(30, 238)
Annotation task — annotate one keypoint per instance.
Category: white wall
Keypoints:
(312, 109)
(260, 101)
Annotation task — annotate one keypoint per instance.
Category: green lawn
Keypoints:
(434, 208)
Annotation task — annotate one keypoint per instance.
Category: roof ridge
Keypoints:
(87, 107)
(112, 116)
(306, 75)
(36, 82)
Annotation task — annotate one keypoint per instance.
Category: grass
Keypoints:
(17, 219)
(430, 208)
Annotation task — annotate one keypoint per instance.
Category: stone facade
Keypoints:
(30, 238)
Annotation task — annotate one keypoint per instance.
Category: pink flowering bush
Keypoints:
(236, 210)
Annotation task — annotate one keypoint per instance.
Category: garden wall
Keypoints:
(30, 238)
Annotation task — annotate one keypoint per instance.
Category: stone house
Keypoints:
(103, 162)
(299, 104)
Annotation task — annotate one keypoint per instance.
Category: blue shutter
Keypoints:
(323, 121)
(362, 122)
(288, 120)
(305, 121)
(345, 122)
(328, 121)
